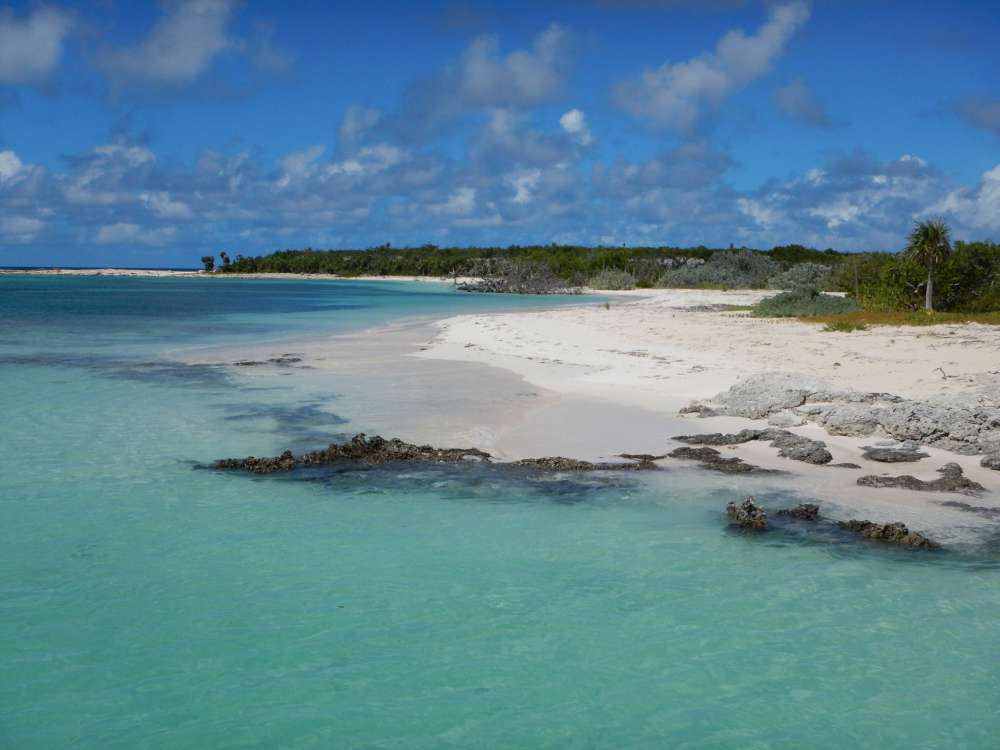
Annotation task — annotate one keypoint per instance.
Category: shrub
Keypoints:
(803, 275)
(612, 279)
(737, 269)
(844, 326)
(802, 303)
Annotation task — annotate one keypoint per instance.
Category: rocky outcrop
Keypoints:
(712, 460)
(747, 515)
(892, 455)
(359, 449)
(559, 463)
(377, 450)
(802, 512)
(952, 479)
(283, 360)
(966, 424)
(890, 533)
(991, 461)
(789, 445)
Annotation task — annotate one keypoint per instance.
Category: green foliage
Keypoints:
(802, 303)
(736, 269)
(844, 326)
(612, 279)
(802, 275)
(929, 243)
(968, 280)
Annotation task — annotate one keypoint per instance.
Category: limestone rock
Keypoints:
(747, 515)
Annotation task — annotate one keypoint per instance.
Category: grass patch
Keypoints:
(844, 326)
(869, 318)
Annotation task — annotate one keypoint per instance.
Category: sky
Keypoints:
(150, 133)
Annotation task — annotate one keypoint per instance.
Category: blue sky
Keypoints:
(148, 134)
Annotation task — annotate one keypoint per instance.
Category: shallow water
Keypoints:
(148, 603)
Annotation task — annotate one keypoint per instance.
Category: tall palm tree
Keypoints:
(929, 245)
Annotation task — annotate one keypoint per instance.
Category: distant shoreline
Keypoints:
(175, 273)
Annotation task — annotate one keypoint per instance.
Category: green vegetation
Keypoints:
(869, 318)
(962, 282)
(802, 303)
(929, 246)
(575, 265)
(613, 280)
(844, 326)
(967, 281)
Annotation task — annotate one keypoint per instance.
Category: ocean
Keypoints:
(149, 602)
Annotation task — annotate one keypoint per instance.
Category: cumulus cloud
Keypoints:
(124, 233)
(181, 45)
(574, 122)
(797, 101)
(513, 184)
(20, 229)
(982, 113)
(30, 47)
(675, 95)
(977, 206)
(483, 79)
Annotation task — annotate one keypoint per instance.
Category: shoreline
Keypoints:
(573, 382)
(154, 273)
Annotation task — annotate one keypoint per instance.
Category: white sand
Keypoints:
(618, 377)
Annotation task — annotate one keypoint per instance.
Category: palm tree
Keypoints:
(929, 246)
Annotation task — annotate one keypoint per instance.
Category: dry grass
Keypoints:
(862, 319)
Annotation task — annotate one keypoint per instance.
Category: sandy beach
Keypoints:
(616, 376)
(601, 378)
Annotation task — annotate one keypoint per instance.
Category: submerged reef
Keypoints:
(377, 450)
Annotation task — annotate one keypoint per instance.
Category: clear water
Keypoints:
(149, 604)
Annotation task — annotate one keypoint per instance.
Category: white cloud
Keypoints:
(575, 123)
(30, 47)
(522, 77)
(298, 164)
(161, 204)
(676, 94)
(524, 184)
(181, 45)
(977, 206)
(10, 167)
(461, 202)
(124, 232)
(367, 161)
(20, 228)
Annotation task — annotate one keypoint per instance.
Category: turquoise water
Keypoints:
(150, 604)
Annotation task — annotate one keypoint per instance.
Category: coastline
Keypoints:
(617, 378)
(153, 273)
(593, 380)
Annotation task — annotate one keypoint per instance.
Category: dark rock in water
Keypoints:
(891, 533)
(559, 463)
(951, 480)
(892, 455)
(991, 461)
(359, 449)
(711, 459)
(747, 515)
(803, 512)
(284, 359)
(846, 465)
(789, 445)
